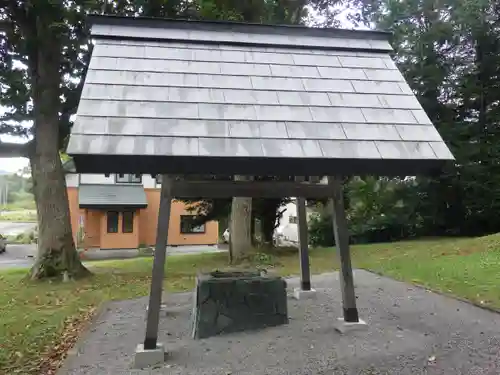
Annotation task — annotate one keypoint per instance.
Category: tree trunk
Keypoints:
(268, 217)
(268, 225)
(241, 226)
(254, 228)
(57, 255)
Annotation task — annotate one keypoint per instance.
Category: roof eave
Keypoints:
(237, 27)
(257, 166)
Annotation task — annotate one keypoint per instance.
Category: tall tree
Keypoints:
(44, 52)
(478, 24)
(40, 54)
(449, 52)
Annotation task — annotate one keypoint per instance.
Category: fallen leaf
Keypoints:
(54, 355)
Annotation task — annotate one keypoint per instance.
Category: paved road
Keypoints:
(12, 228)
(18, 256)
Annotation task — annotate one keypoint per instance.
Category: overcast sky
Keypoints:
(12, 164)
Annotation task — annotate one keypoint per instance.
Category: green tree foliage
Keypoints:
(449, 52)
(16, 187)
(380, 210)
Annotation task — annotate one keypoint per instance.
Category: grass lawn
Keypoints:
(39, 322)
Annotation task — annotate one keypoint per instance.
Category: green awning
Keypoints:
(112, 196)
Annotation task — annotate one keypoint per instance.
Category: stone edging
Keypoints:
(73, 352)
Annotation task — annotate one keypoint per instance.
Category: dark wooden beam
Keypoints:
(341, 233)
(153, 316)
(305, 271)
(251, 189)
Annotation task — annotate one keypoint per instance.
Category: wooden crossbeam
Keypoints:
(251, 189)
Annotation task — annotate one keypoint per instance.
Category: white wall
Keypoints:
(290, 230)
(149, 182)
(291, 210)
(97, 179)
(72, 180)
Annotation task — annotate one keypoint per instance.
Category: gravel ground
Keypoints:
(411, 331)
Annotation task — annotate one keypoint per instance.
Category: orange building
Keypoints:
(121, 212)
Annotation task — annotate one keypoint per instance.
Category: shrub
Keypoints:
(24, 238)
(321, 230)
(381, 229)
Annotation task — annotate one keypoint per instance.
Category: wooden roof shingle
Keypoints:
(202, 97)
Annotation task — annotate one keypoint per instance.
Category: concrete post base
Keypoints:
(344, 327)
(163, 311)
(148, 357)
(304, 294)
(162, 307)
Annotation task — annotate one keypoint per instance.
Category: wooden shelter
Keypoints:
(190, 98)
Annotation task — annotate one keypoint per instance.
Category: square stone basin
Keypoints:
(236, 301)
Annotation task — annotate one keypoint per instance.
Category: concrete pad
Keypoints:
(148, 357)
(344, 327)
(304, 294)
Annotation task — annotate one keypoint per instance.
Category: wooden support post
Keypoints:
(341, 233)
(305, 272)
(153, 315)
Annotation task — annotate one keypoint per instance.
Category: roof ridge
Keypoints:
(96, 19)
(234, 33)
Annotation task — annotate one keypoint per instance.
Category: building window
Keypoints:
(293, 220)
(128, 178)
(188, 225)
(112, 217)
(128, 222)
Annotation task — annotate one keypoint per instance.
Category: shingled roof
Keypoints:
(205, 97)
